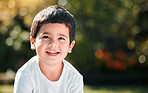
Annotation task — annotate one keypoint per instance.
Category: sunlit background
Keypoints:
(111, 41)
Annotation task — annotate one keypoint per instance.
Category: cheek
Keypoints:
(64, 46)
(40, 42)
(40, 45)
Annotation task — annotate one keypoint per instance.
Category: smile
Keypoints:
(52, 53)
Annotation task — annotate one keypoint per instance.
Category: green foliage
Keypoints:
(111, 35)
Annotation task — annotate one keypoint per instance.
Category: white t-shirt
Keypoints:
(30, 79)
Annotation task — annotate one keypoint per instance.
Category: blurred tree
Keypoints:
(116, 28)
(111, 35)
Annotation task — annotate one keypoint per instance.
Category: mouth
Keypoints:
(52, 53)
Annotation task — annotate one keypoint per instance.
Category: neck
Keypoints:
(51, 71)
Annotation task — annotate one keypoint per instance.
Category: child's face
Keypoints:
(52, 43)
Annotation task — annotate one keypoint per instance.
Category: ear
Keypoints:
(71, 46)
(32, 41)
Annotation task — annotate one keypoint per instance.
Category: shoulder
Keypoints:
(27, 69)
(71, 70)
(24, 82)
(28, 66)
(75, 79)
(24, 77)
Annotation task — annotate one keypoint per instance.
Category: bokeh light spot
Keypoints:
(142, 59)
(62, 2)
(23, 11)
(11, 4)
(130, 44)
(99, 53)
(9, 41)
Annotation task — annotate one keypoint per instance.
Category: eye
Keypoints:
(47, 37)
(61, 38)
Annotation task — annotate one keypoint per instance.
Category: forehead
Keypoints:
(54, 28)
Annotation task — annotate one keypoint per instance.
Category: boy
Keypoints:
(52, 36)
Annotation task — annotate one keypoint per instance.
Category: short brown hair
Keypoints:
(53, 14)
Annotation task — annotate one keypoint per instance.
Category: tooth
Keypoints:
(53, 52)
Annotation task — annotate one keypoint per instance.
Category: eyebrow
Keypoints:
(63, 35)
(44, 33)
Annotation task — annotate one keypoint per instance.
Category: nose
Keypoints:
(53, 43)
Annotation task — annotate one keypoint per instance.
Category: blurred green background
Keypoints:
(111, 39)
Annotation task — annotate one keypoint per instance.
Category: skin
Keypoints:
(52, 45)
